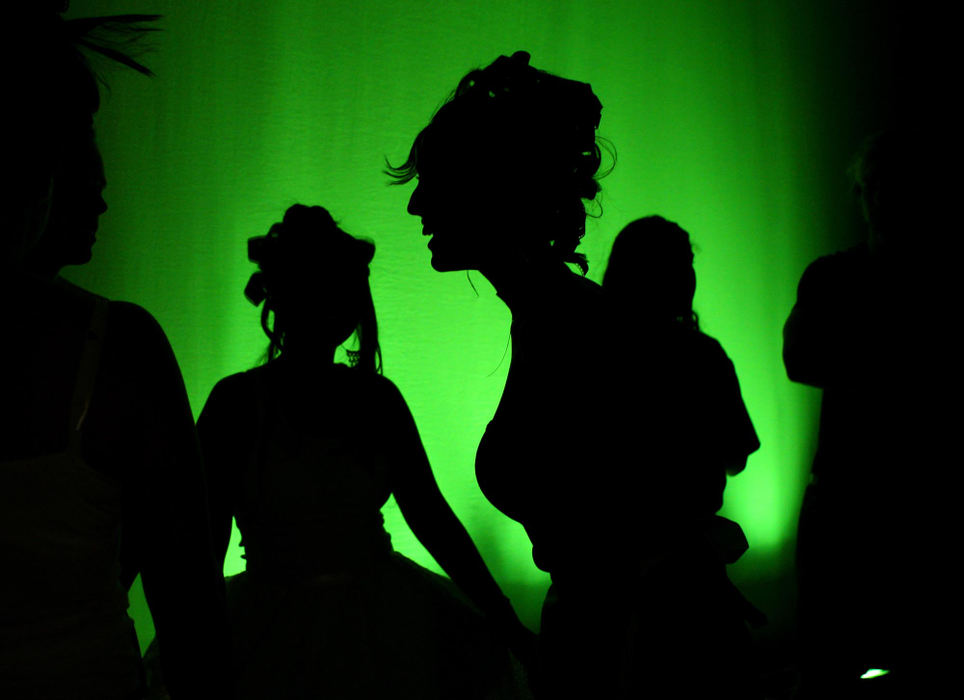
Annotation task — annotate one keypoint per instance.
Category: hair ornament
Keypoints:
(259, 252)
(513, 77)
(255, 290)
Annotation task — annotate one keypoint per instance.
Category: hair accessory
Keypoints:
(512, 76)
(254, 290)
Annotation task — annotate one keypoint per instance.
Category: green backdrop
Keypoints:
(736, 119)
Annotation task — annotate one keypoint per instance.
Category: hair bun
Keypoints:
(305, 235)
(521, 57)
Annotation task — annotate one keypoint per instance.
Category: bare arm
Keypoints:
(222, 429)
(437, 527)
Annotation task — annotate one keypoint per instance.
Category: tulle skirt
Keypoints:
(396, 630)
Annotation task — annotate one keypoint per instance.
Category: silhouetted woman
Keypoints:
(304, 452)
(503, 169)
(690, 398)
(97, 434)
(650, 282)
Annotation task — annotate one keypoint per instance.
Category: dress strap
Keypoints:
(87, 372)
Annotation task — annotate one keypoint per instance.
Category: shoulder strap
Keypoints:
(87, 372)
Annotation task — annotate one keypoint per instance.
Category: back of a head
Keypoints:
(305, 249)
(651, 269)
(310, 273)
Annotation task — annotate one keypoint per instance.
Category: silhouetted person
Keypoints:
(650, 283)
(304, 452)
(503, 170)
(875, 527)
(693, 429)
(97, 436)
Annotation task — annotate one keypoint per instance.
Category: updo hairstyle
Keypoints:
(513, 123)
(308, 237)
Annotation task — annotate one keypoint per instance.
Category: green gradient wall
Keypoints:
(735, 119)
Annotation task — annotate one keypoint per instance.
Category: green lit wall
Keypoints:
(735, 119)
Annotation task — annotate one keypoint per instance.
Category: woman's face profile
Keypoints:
(456, 205)
(76, 205)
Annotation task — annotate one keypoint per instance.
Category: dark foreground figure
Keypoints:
(100, 472)
(637, 606)
(876, 527)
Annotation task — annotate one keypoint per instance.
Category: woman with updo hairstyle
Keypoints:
(284, 265)
(303, 452)
(100, 471)
(504, 172)
(526, 159)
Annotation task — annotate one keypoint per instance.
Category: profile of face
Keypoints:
(502, 168)
(76, 203)
(457, 206)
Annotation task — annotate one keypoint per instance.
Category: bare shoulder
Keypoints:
(384, 389)
(380, 383)
(136, 354)
(238, 384)
(130, 323)
(378, 396)
(233, 393)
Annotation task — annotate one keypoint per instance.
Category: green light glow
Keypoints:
(718, 111)
(874, 673)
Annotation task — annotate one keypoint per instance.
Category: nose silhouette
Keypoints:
(413, 205)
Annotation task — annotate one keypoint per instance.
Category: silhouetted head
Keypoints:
(651, 271)
(504, 167)
(894, 177)
(313, 280)
(54, 199)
